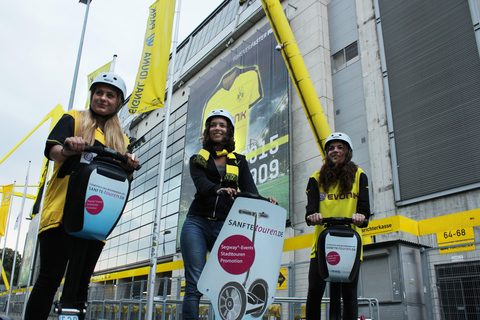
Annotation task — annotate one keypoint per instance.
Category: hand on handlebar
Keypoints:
(73, 145)
(227, 191)
(358, 219)
(132, 161)
(315, 218)
(272, 200)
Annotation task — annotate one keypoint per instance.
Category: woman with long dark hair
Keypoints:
(338, 189)
(217, 173)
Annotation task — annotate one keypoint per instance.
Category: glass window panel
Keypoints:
(113, 252)
(136, 212)
(149, 206)
(134, 225)
(122, 260)
(147, 229)
(151, 173)
(145, 242)
(181, 121)
(351, 51)
(122, 249)
(143, 255)
(150, 194)
(338, 62)
(156, 131)
(152, 183)
(140, 179)
(133, 246)
(112, 262)
(174, 195)
(173, 207)
(123, 239)
(132, 257)
(136, 203)
(147, 218)
(113, 241)
(171, 221)
(170, 247)
(175, 182)
(125, 227)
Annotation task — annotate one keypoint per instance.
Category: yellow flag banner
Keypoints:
(6, 199)
(149, 91)
(92, 76)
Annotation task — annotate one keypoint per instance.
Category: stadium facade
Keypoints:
(400, 77)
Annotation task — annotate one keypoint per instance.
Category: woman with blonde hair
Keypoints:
(98, 126)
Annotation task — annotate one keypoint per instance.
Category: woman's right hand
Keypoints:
(74, 145)
(230, 191)
(315, 218)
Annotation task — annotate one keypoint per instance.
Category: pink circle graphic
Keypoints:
(236, 254)
(94, 205)
(333, 258)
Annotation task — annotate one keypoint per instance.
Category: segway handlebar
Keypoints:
(245, 195)
(342, 220)
(105, 152)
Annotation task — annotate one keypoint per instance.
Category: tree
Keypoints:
(8, 264)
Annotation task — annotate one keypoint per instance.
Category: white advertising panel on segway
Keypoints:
(338, 248)
(96, 196)
(241, 274)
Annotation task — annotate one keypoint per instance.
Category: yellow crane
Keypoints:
(298, 71)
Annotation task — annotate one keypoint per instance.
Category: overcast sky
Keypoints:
(39, 43)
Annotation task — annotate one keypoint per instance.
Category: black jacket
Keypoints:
(207, 182)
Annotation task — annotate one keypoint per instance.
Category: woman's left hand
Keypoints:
(272, 200)
(132, 161)
(357, 219)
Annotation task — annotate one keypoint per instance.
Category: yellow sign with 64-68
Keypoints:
(460, 237)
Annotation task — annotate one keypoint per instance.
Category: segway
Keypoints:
(241, 274)
(97, 193)
(338, 250)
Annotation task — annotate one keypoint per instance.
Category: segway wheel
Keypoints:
(259, 290)
(232, 301)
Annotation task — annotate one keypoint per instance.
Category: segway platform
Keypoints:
(241, 274)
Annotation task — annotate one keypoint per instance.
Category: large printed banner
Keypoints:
(252, 83)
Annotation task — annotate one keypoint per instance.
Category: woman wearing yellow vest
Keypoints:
(338, 189)
(99, 125)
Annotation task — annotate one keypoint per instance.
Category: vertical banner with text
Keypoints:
(6, 200)
(252, 83)
(149, 91)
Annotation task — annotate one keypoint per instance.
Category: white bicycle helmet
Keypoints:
(339, 136)
(112, 79)
(221, 113)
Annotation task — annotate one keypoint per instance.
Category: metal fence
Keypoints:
(452, 282)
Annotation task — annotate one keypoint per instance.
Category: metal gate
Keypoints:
(452, 282)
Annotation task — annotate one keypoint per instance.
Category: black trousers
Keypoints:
(55, 250)
(316, 288)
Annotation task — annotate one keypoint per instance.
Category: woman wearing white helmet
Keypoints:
(338, 189)
(217, 173)
(99, 125)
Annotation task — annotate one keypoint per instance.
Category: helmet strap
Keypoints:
(104, 117)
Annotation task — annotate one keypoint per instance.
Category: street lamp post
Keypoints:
(79, 55)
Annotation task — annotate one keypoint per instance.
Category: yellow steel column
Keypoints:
(298, 71)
